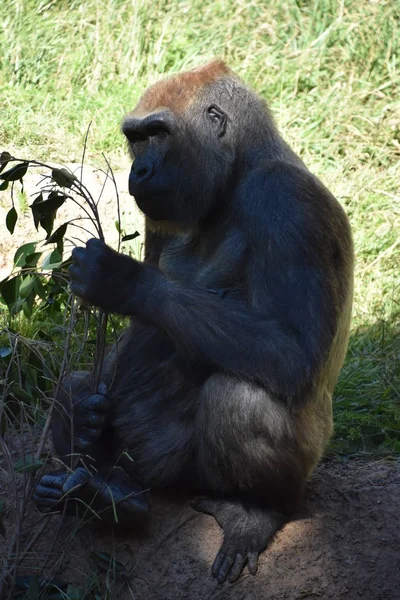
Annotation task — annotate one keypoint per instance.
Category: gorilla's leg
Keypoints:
(248, 461)
(90, 482)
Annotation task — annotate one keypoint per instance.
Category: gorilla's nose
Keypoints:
(141, 171)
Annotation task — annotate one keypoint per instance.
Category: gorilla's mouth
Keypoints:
(156, 204)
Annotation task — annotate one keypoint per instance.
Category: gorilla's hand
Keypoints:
(114, 282)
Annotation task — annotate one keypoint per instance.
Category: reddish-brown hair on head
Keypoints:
(179, 91)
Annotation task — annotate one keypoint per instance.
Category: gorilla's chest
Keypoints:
(217, 264)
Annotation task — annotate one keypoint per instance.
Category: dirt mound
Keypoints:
(344, 544)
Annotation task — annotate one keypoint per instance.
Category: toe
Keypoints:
(225, 568)
(43, 491)
(219, 559)
(237, 568)
(252, 562)
(53, 480)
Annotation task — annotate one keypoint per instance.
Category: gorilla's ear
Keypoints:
(218, 119)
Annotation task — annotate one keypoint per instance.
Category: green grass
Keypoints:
(330, 72)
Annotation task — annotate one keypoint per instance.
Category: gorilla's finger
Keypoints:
(96, 403)
(76, 480)
(78, 255)
(78, 289)
(102, 389)
(95, 243)
(75, 272)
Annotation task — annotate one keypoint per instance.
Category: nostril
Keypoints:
(142, 171)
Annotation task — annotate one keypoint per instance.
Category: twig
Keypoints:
(100, 351)
(117, 197)
(85, 147)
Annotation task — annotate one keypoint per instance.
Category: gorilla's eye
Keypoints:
(157, 128)
(217, 118)
(135, 136)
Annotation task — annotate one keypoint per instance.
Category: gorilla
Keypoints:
(222, 385)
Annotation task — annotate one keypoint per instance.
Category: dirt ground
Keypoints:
(345, 544)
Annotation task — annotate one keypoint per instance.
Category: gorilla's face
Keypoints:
(180, 167)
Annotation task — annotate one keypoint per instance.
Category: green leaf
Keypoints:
(36, 215)
(58, 234)
(28, 464)
(40, 289)
(31, 260)
(60, 246)
(27, 306)
(63, 177)
(15, 173)
(5, 157)
(130, 236)
(22, 394)
(5, 351)
(10, 290)
(17, 306)
(21, 255)
(52, 261)
(118, 226)
(11, 219)
(44, 211)
(3, 186)
(2, 528)
(27, 285)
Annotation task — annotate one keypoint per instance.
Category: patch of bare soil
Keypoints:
(345, 544)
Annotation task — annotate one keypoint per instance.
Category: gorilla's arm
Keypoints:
(280, 343)
(278, 339)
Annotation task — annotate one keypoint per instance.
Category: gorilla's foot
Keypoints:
(90, 414)
(113, 499)
(247, 531)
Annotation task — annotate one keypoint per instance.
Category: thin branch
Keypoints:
(84, 148)
(117, 197)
